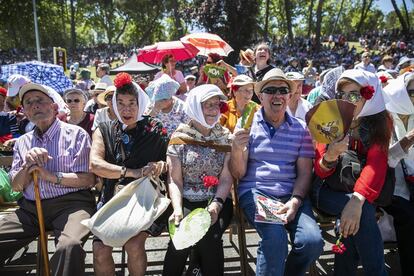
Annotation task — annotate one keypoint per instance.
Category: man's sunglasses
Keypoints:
(410, 92)
(75, 101)
(276, 90)
(108, 98)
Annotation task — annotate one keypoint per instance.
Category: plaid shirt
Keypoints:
(68, 145)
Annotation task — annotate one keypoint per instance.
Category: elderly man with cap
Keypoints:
(366, 64)
(274, 161)
(92, 105)
(59, 152)
(298, 106)
(103, 72)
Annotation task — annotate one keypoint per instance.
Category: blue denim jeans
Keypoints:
(272, 254)
(365, 246)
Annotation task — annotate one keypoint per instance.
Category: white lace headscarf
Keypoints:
(396, 96)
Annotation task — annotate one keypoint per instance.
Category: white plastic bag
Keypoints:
(386, 227)
(132, 210)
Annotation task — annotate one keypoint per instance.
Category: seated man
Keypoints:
(278, 163)
(59, 152)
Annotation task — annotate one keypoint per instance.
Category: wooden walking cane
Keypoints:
(43, 238)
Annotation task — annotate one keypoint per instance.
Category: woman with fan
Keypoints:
(369, 137)
(198, 156)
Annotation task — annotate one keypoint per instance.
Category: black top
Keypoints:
(258, 76)
(147, 142)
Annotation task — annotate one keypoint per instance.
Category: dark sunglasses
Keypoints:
(410, 92)
(276, 90)
(108, 98)
(75, 101)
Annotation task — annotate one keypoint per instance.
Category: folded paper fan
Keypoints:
(330, 120)
(191, 229)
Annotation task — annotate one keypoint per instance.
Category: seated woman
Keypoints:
(221, 81)
(164, 106)
(105, 114)
(198, 149)
(123, 150)
(76, 100)
(369, 136)
(168, 64)
(399, 95)
(241, 104)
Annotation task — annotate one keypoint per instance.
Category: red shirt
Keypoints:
(373, 174)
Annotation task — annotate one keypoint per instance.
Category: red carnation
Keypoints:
(367, 92)
(3, 91)
(224, 107)
(383, 79)
(338, 247)
(210, 181)
(122, 79)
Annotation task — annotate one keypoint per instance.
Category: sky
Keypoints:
(386, 6)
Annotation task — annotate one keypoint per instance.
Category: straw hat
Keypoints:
(101, 97)
(247, 55)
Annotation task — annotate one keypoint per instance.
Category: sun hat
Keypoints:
(295, 76)
(247, 55)
(273, 74)
(101, 97)
(190, 77)
(34, 86)
(100, 86)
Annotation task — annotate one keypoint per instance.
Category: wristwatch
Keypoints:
(59, 177)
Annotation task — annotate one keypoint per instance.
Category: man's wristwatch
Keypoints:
(59, 177)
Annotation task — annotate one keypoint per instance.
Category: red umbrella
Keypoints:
(154, 53)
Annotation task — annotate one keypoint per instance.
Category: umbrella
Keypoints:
(192, 228)
(154, 53)
(132, 66)
(208, 43)
(42, 73)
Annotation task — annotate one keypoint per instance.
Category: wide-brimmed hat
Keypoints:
(273, 74)
(100, 86)
(190, 77)
(295, 76)
(247, 55)
(101, 97)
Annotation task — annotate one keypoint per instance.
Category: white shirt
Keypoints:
(396, 153)
(101, 116)
(301, 110)
(370, 67)
(106, 79)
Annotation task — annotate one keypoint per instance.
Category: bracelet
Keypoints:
(123, 172)
(329, 164)
(218, 200)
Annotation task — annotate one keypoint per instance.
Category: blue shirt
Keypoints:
(271, 165)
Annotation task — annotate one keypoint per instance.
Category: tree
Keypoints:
(366, 5)
(288, 12)
(310, 18)
(318, 25)
(404, 25)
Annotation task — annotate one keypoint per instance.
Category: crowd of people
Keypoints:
(245, 129)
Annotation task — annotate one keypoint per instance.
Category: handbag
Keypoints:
(347, 171)
(134, 209)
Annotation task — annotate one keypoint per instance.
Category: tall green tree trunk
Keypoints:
(310, 18)
(401, 18)
(72, 27)
(288, 12)
(318, 25)
(266, 27)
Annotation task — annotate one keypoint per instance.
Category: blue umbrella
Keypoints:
(38, 72)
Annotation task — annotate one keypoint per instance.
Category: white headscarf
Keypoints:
(396, 97)
(198, 95)
(142, 99)
(364, 78)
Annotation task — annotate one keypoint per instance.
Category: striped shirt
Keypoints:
(271, 165)
(68, 145)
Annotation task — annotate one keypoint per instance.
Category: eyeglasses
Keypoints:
(352, 97)
(108, 98)
(410, 92)
(207, 105)
(276, 90)
(70, 101)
